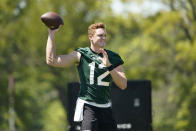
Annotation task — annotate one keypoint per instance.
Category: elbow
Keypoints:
(49, 62)
(123, 86)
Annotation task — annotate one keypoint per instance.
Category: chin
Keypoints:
(102, 45)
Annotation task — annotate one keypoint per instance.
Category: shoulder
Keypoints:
(111, 53)
(82, 49)
(75, 55)
(114, 58)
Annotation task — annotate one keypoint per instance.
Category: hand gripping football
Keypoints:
(52, 20)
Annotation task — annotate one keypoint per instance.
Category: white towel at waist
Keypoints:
(78, 116)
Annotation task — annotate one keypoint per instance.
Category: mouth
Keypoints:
(102, 42)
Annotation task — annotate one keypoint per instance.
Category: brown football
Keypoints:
(52, 20)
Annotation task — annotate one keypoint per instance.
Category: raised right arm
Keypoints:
(61, 60)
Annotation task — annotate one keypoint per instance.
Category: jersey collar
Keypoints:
(100, 54)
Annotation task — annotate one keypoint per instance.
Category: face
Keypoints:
(98, 40)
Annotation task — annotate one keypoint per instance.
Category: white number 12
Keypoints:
(99, 78)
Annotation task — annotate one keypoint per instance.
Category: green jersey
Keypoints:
(95, 79)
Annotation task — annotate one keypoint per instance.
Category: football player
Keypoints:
(97, 68)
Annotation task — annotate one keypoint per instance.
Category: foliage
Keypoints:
(160, 48)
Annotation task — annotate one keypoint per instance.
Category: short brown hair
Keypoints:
(93, 27)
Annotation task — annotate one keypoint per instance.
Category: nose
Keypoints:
(103, 37)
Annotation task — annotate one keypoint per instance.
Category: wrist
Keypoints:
(110, 68)
(108, 65)
(51, 32)
(51, 35)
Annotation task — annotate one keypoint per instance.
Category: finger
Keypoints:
(60, 26)
(55, 30)
(100, 59)
(104, 53)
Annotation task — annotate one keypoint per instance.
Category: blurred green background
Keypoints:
(156, 45)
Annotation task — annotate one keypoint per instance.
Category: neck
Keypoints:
(97, 50)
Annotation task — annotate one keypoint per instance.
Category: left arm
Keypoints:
(119, 77)
(117, 73)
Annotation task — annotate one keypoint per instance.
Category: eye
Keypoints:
(102, 35)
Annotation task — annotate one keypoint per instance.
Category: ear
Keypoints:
(90, 37)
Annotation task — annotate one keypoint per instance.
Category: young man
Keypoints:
(97, 68)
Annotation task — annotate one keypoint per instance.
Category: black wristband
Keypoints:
(110, 68)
